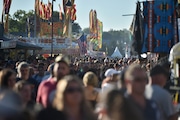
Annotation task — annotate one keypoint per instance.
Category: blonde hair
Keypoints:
(59, 100)
(90, 79)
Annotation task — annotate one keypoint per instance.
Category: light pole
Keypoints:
(52, 29)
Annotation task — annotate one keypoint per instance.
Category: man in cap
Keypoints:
(156, 92)
(110, 82)
(47, 88)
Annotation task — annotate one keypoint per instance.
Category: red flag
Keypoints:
(47, 12)
(50, 8)
(7, 5)
(37, 7)
(40, 9)
(73, 13)
(44, 11)
(60, 12)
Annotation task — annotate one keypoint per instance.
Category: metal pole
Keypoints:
(35, 17)
(52, 31)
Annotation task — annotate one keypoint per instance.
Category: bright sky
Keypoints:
(108, 11)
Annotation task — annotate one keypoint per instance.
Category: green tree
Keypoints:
(86, 30)
(76, 28)
(18, 21)
(119, 38)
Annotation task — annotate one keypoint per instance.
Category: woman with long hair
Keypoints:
(7, 79)
(70, 99)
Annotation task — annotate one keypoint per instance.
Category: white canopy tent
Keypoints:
(116, 53)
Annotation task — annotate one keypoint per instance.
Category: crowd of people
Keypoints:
(86, 88)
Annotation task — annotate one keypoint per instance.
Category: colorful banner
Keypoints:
(60, 13)
(44, 11)
(96, 30)
(7, 5)
(82, 42)
(69, 16)
(160, 23)
(100, 32)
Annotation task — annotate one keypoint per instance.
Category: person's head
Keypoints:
(117, 66)
(23, 88)
(69, 93)
(158, 75)
(118, 107)
(135, 79)
(7, 78)
(41, 68)
(61, 67)
(112, 74)
(31, 71)
(23, 70)
(90, 79)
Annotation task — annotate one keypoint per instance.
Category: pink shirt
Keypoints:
(45, 91)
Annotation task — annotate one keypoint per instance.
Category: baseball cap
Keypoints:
(110, 72)
(62, 58)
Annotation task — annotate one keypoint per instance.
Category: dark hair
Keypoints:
(158, 69)
(41, 64)
(4, 75)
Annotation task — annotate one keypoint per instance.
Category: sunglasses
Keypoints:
(73, 90)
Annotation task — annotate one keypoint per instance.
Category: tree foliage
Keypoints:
(76, 28)
(18, 22)
(86, 30)
(116, 38)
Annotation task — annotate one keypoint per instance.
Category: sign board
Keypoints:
(8, 44)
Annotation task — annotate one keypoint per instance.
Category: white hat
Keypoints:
(110, 72)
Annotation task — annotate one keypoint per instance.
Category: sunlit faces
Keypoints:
(24, 72)
(116, 77)
(60, 70)
(73, 94)
(139, 81)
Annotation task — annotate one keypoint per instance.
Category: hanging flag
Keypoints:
(73, 13)
(44, 11)
(41, 11)
(94, 22)
(137, 31)
(50, 8)
(82, 42)
(7, 5)
(60, 13)
(99, 32)
(91, 21)
(37, 7)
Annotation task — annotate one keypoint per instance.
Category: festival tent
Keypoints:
(116, 53)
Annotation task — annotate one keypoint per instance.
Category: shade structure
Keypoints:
(116, 53)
